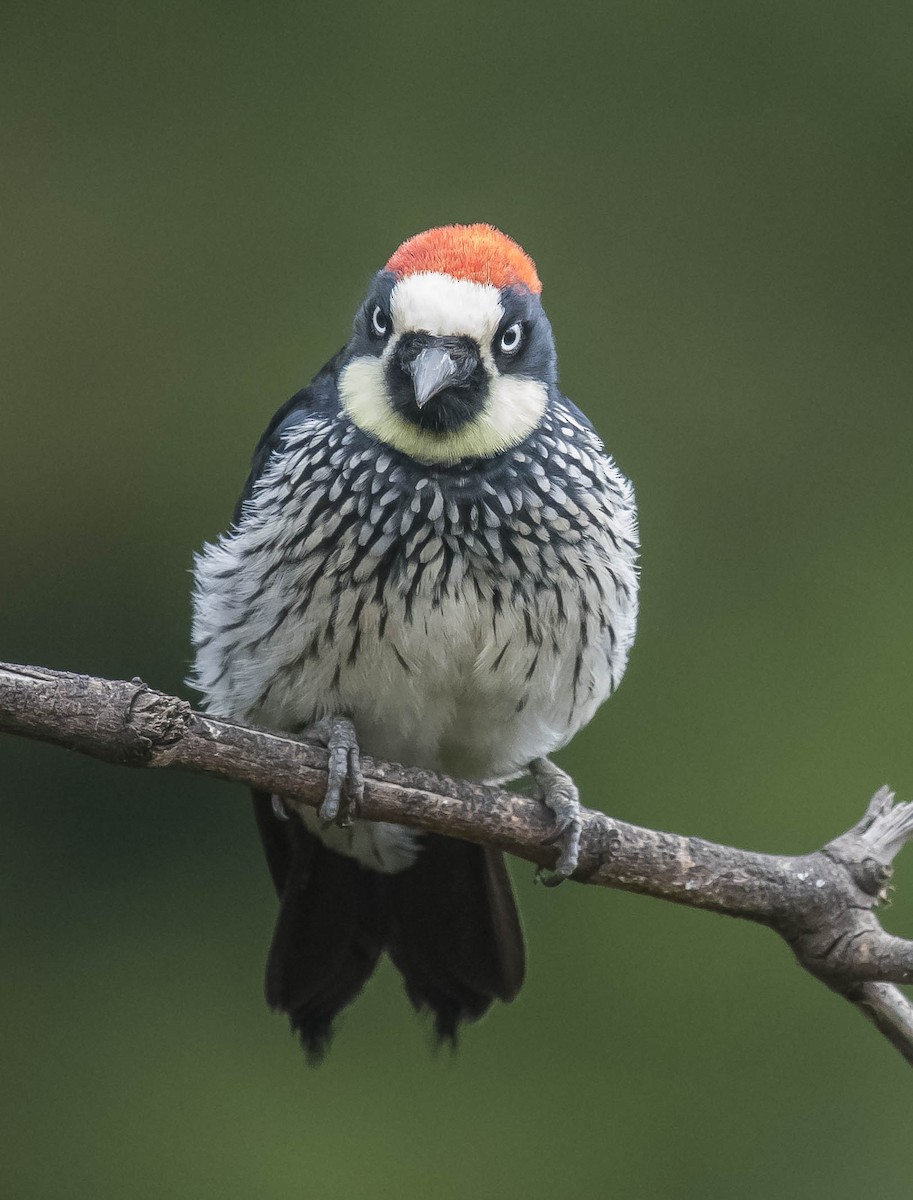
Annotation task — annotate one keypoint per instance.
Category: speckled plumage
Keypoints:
(469, 616)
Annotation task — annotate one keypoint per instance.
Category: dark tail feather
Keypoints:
(449, 923)
(454, 934)
(332, 925)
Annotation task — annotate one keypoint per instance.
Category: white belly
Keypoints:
(465, 659)
(462, 690)
(457, 687)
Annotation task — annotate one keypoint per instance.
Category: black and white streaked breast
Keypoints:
(469, 617)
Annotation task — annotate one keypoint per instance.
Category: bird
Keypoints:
(434, 560)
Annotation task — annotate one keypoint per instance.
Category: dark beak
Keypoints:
(435, 364)
(433, 370)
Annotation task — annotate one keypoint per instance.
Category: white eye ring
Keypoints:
(380, 325)
(511, 338)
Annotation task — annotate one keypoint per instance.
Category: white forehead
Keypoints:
(441, 305)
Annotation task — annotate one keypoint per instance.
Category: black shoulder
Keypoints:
(562, 406)
(320, 396)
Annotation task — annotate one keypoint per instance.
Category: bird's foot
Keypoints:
(280, 812)
(345, 782)
(558, 792)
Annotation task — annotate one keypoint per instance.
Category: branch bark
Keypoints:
(822, 904)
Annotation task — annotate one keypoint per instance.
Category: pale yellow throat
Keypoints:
(512, 411)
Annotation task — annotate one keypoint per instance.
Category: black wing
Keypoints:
(321, 395)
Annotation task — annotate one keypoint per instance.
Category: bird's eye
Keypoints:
(511, 338)
(380, 322)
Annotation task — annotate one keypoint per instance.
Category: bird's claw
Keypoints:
(558, 792)
(345, 782)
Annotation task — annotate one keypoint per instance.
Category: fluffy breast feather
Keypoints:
(468, 619)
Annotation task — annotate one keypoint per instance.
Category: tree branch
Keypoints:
(822, 903)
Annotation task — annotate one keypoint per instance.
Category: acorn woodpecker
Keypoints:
(433, 560)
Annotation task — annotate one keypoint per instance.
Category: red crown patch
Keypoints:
(479, 253)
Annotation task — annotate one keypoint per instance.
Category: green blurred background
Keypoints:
(718, 198)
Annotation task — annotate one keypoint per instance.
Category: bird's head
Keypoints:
(451, 355)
